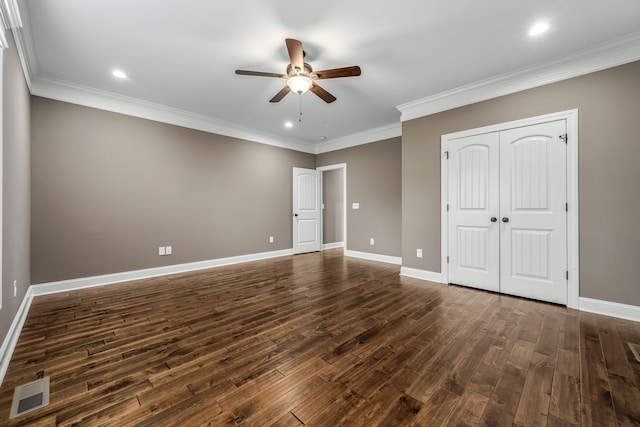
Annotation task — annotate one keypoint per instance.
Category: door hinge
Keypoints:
(447, 207)
(567, 274)
(564, 138)
(446, 155)
(447, 259)
(566, 207)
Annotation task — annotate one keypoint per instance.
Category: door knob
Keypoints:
(494, 219)
(295, 214)
(505, 219)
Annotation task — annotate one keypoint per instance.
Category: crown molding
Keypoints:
(3, 39)
(360, 138)
(616, 52)
(24, 43)
(8, 19)
(9, 14)
(103, 100)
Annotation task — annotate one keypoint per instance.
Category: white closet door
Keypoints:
(473, 186)
(533, 221)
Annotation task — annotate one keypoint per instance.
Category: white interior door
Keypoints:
(473, 176)
(507, 193)
(533, 196)
(306, 210)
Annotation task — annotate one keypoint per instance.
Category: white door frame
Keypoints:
(573, 253)
(342, 166)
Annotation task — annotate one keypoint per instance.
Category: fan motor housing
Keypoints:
(306, 72)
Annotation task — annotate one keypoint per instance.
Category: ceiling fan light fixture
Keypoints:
(301, 77)
(299, 84)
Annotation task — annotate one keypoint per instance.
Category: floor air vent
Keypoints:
(635, 349)
(28, 397)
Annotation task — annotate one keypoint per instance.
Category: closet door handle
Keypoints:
(494, 219)
(505, 219)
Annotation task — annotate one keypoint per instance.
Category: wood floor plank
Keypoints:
(460, 375)
(287, 420)
(334, 414)
(437, 409)
(505, 399)
(402, 411)
(468, 411)
(628, 334)
(319, 339)
(615, 358)
(484, 380)
(548, 339)
(595, 392)
(533, 409)
(565, 399)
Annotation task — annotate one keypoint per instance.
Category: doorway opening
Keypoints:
(334, 205)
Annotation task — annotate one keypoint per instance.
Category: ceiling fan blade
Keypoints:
(338, 72)
(296, 53)
(260, 74)
(283, 92)
(326, 96)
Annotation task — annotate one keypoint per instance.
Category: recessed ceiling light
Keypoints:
(119, 74)
(538, 29)
(288, 125)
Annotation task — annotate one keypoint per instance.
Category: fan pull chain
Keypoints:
(300, 109)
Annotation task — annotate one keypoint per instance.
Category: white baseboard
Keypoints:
(11, 339)
(334, 245)
(374, 257)
(422, 275)
(607, 308)
(107, 279)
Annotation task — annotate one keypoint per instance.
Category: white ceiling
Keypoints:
(180, 56)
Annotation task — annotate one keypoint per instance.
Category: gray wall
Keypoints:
(373, 180)
(108, 189)
(333, 200)
(609, 173)
(16, 190)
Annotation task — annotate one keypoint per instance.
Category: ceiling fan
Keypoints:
(301, 77)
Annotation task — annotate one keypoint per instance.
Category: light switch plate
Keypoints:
(168, 250)
(355, 205)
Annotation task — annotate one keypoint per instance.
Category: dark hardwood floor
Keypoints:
(323, 340)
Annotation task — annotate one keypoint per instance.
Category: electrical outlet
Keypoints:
(161, 250)
(15, 288)
(270, 239)
(372, 241)
(355, 205)
(419, 253)
(168, 250)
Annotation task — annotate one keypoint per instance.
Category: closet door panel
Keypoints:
(473, 180)
(533, 252)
